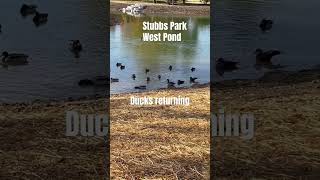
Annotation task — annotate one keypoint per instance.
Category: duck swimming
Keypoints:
(193, 69)
(265, 56)
(147, 70)
(40, 18)
(118, 64)
(170, 83)
(76, 46)
(28, 9)
(133, 76)
(193, 79)
(224, 65)
(170, 68)
(140, 87)
(180, 82)
(85, 82)
(159, 76)
(14, 59)
(148, 79)
(96, 81)
(122, 67)
(114, 80)
(266, 24)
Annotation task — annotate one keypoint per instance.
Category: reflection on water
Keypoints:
(237, 34)
(53, 71)
(128, 48)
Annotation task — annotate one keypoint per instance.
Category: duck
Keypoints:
(170, 68)
(28, 9)
(159, 76)
(147, 70)
(122, 67)
(118, 64)
(193, 79)
(133, 76)
(14, 59)
(140, 87)
(114, 80)
(180, 82)
(148, 79)
(170, 83)
(222, 64)
(85, 82)
(266, 24)
(97, 81)
(265, 56)
(76, 45)
(193, 69)
(40, 18)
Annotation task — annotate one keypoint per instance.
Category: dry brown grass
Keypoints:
(169, 142)
(147, 142)
(287, 127)
(161, 142)
(33, 144)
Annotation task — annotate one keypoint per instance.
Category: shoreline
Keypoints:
(273, 78)
(164, 9)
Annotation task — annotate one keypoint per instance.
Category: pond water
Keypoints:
(53, 71)
(237, 35)
(128, 48)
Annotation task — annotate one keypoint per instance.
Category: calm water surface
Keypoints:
(128, 48)
(53, 71)
(237, 35)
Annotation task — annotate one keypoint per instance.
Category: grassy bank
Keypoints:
(287, 121)
(172, 142)
(164, 9)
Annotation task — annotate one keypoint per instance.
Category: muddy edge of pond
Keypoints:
(161, 9)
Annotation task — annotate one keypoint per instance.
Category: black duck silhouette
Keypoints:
(40, 18)
(14, 59)
(223, 66)
(28, 9)
(140, 87)
(266, 24)
(170, 83)
(180, 82)
(265, 56)
(193, 79)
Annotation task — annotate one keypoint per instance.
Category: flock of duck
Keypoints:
(15, 59)
(103, 80)
(262, 57)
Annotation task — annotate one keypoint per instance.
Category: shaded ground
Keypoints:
(33, 144)
(287, 122)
